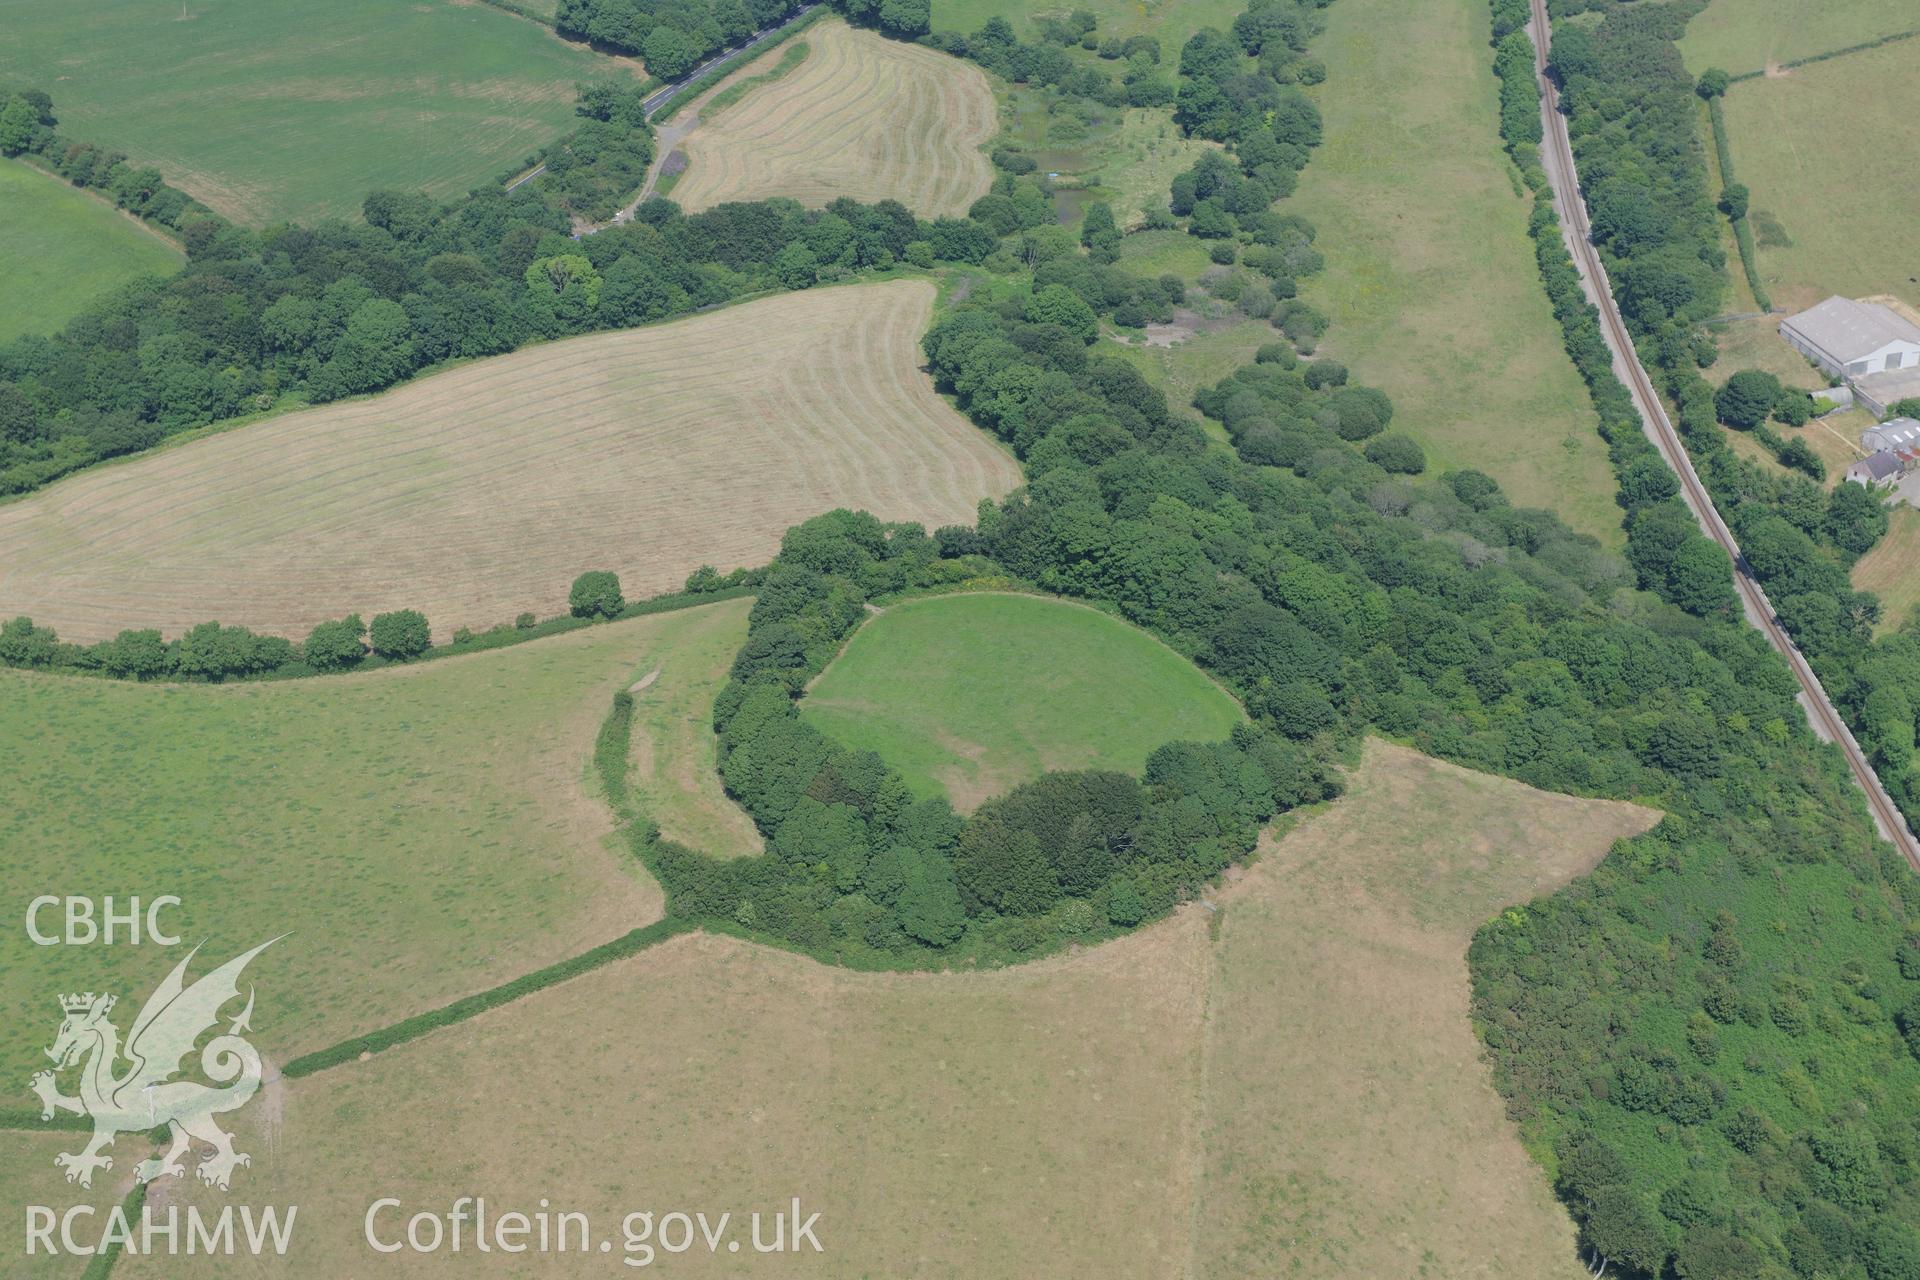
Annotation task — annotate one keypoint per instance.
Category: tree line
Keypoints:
(671, 36)
(317, 313)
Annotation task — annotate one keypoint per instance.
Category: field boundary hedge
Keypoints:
(101, 1265)
(1830, 54)
(26, 1119)
(500, 636)
(1742, 228)
(399, 1033)
(521, 11)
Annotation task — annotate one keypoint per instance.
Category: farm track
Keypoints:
(480, 492)
(862, 117)
(1557, 157)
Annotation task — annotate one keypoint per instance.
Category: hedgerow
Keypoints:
(620, 948)
(213, 653)
(1736, 212)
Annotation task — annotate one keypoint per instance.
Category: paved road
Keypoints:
(1556, 155)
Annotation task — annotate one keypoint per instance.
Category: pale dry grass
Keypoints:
(1295, 1092)
(1352, 1127)
(1032, 1122)
(480, 492)
(864, 117)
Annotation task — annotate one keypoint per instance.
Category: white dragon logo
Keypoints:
(147, 1096)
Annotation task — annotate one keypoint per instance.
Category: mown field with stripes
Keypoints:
(481, 492)
(864, 117)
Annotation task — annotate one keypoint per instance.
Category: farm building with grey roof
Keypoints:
(1895, 433)
(1869, 344)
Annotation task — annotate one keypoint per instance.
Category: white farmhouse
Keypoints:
(1873, 347)
(1876, 469)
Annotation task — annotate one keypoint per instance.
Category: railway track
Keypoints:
(1557, 157)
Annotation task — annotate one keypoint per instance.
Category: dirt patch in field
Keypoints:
(476, 494)
(864, 117)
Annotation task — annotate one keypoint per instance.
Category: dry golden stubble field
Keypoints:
(864, 117)
(481, 492)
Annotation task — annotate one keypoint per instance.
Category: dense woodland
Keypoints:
(1713, 1041)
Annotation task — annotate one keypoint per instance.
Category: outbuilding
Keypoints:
(1895, 433)
(1852, 339)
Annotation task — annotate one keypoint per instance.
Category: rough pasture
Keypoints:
(481, 492)
(672, 770)
(1791, 134)
(1424, 235)
(864, 117)
(1888, 570)
(1296, 1091)
(420, 833)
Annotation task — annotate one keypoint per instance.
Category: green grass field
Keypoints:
(1430, 278)
(1833, 202)
(975, 694)
(1747, 35)
(421, 833)
(270, 109)
(61, 248)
